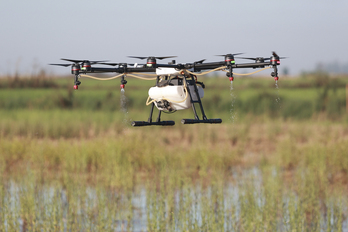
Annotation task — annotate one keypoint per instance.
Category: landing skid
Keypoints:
(161, 123)
(194, 121)
(151, 123)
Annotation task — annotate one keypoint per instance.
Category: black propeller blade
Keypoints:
(236, 54)
(156, 57)
(259, 59)
(74, 61)
(164, 57)
(262, 59)
(200, 61)
(276, 55)
(114, 64)
(80, 61)
(138, 57)
(65, 65)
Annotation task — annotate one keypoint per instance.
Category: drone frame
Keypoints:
(189, 78)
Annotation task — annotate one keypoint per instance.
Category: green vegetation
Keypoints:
(69, 161)
(300, 98)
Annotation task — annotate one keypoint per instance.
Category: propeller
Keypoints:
(64, 65)
(257, 59)
(229, 58)
(262, 59)
(151, 60)
(275, 55)
(199, 62)
(155, 57)
(236, 54)
(81, 61)
(114, 64)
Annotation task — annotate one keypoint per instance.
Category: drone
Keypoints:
(177, 86)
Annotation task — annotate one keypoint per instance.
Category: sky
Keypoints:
(36, 33)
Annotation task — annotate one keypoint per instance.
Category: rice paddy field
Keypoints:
(70, 161)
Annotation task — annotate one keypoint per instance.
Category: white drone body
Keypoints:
(175, 94)
(168, 72)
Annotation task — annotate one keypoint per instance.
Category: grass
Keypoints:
(270, 175)
(69, 163)
(300, 98)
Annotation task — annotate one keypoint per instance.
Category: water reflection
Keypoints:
(250, 200)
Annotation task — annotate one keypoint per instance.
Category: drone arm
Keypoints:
(129, 70)
(211, 65)
(121, 70)
(214, 65)
(104, 70)
(251, 65)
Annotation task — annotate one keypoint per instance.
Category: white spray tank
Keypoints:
(172, 95)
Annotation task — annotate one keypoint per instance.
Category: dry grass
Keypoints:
(190, 148)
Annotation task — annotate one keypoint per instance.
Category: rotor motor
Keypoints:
(151, 62)
(75, 68)
(229, 59)
(86, 66)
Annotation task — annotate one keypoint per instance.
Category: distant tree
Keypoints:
(332, 67)
(285, 71)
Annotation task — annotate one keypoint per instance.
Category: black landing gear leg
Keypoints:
(150, 122)
(158, 121)
(194, 100)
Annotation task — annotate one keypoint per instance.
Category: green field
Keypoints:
(70, 161)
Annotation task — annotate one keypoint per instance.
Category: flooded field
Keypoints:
(255, 199)
(271, 176)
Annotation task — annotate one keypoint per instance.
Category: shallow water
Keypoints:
(223, 206)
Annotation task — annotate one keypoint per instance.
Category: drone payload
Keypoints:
(173, 95)
(177, 86)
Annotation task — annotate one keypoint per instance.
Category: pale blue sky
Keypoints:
(38, 32)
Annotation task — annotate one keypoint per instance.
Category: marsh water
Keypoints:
(243, 203)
